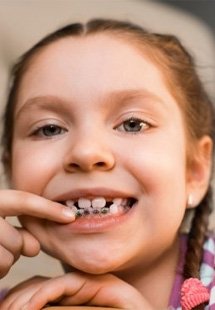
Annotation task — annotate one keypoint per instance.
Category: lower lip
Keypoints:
(97, 224)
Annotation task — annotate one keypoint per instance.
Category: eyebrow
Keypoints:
(46, 103)
(131, 94)
(55, 103)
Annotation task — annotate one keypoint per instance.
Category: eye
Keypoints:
(49, 131)
(133, 125)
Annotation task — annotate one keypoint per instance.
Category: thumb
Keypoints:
(30, 245)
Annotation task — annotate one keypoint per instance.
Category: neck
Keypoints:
(155, 281)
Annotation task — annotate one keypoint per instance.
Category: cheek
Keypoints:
(159, 169)
(155, 159)
(31, 169)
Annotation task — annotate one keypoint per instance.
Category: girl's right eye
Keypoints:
(49, 131)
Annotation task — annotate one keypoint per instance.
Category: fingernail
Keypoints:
(68, 213)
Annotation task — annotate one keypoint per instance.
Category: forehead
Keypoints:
(96, 63)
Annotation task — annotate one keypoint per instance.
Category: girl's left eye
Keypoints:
(133, 124)
(49, 131)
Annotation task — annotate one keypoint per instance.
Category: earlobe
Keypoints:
(199, 171)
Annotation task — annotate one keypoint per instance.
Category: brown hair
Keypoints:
(183, 82)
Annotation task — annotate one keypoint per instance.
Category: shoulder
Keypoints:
(207, 271)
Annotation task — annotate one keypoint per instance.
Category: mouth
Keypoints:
(99, 206)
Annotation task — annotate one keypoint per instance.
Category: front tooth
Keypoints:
(84, 203)
(114, 208)
(70, 203)
(117, 201)
(99, 202)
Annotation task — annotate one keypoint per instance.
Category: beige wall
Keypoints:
(23, 22)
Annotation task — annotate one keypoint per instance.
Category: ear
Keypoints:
(199, 170)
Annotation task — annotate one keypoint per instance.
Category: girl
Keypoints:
(112, 122)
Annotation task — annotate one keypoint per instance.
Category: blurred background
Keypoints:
(24, 22)
(202, 9)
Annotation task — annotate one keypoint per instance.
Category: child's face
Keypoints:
(89, 88)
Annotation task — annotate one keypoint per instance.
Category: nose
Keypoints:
(88, 153)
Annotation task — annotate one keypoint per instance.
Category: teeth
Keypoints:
(74, 209)
(114, 208)
(124, 202)
(80, 212)
(70, 203)
(98, 203)
(84, 203)
(118, 201)
(90, 210)
(104, 210)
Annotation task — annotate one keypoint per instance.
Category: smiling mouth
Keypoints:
(99, 206)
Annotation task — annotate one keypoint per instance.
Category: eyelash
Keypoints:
(143, 125)
(40, 131)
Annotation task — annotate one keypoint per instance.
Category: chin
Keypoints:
(94, 269)
(93, 264)
(90, 257)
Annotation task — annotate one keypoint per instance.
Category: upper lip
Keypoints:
(91, 193)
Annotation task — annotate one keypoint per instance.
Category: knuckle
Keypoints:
(23, 198)
(48, 289)
(18, 242)
(28, 202)
(7, 260)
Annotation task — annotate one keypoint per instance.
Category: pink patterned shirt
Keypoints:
(207, 273)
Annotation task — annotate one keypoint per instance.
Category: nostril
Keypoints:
(85, 166)
(75, 166)
(100, 164)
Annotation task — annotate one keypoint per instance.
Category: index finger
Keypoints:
(15, 203)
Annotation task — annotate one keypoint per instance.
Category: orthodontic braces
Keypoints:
(84, 212)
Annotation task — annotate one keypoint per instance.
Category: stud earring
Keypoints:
(190, 201)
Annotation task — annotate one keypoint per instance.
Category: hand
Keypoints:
(75, 289)
(17, 241)
(21, 293)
